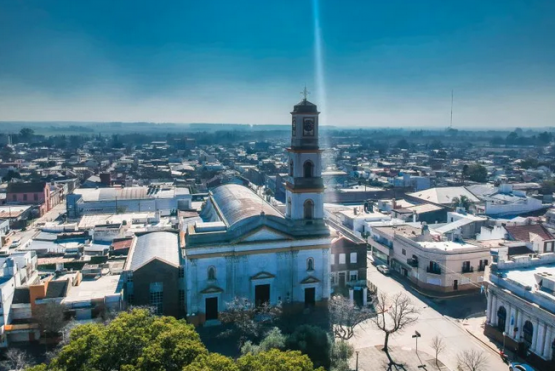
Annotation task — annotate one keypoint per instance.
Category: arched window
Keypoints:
(291, 168)
(211, 273)
(308, 209)
(308, 168)
(501, 318)
(528, 332)
(310, 264)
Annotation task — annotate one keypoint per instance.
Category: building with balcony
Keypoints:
(521, 305)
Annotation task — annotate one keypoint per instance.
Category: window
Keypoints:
(308, 168)
(353, 275)
(404, 252)
(289, 206)
(291, 168)
(501, 318)
(181, 299)
(332, 259)
(211, 273)
(332, 279)
(353, 258)
(130, 277)
(549, 246)
(130, 298)
(156, 297)
(14, 197)
(528, 331)
(24, 197)
(308, 209)
(341, 258)
(181, 272)
(35, 197)
(310, 264)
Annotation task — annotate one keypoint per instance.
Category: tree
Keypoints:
(26, 134)
(393, 315)
(16, 359)
(403, 144)
(476, 173)
(248, 318)
(438, 345)
(548, 187)
(274, 339)
(472, 360)
(212, 362)
(12, 175)
(50, 317)
(274, 360)
(463, 202)
(345, 316)
(340, 353)
(312, 341)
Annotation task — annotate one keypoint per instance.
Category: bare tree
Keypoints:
(345, 316)
(248, 318)
(472, 360)
(393, 315)
(438, 345)
(16, 359)
(50, 317)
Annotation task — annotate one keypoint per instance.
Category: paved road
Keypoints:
(431, 323)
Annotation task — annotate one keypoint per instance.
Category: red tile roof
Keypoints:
(122, 244)
(522, 232)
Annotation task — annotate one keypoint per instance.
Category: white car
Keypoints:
(15, 243)
(383, 268)
(515, 366)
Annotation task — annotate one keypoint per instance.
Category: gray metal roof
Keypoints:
(237, 203)
(159, 245)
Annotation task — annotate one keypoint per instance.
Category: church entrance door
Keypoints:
(309, 297)
(211, 308)
(261, 294)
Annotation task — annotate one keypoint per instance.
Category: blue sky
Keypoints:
(384, 63)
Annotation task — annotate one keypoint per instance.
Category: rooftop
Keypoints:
(163, 246)
(444, 195)
(93, 289)
(447, 245)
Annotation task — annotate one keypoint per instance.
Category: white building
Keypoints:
(521, 305)
(246, 248)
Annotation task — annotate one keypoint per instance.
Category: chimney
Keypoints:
(414, 216)
(393, 204)
(106, 179)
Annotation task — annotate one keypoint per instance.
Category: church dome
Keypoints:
(305, 107)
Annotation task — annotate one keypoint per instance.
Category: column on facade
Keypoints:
(508, 319)
(520, 323)
(365, 296)
(547, 342)
(351, 296)
(490, 305)
(535, 335)
(493, 320)
(541, 339)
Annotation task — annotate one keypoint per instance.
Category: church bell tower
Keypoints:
(304, 185)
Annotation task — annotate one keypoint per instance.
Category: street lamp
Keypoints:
(415, 337)
(504, 337)
(357, 361)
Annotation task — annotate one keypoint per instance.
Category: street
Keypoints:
(432, 322)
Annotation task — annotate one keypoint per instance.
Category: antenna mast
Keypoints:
(451, 123)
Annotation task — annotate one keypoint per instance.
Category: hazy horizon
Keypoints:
(383, 64)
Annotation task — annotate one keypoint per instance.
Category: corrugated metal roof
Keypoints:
(237, 203)
(159, 245)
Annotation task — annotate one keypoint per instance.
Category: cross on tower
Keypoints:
(305, 93)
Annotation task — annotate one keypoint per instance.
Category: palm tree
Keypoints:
(463, 202)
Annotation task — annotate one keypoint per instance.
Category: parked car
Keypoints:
(383, 268)
(515, 366)
(15, 243)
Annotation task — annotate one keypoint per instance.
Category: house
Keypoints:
(521, 305)
(37, 193)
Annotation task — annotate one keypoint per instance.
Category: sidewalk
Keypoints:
(374, 359)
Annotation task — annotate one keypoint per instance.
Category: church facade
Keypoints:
(246, 248)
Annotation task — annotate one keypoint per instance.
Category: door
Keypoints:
(341, 279)
(455, 285)
(309, 297)
(261, 294)
(211, 308)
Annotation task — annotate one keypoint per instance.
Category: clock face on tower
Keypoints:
(294, 127)
(308, 127)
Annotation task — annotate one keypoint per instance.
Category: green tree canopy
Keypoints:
(139, 341)
(476, 173)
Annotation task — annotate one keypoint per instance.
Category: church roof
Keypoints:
(236, 203)
(159, 245)
(305, 106)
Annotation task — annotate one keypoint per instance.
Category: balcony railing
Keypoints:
(433, 270)
(468, 269)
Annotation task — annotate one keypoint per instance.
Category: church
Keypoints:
(246, 248)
